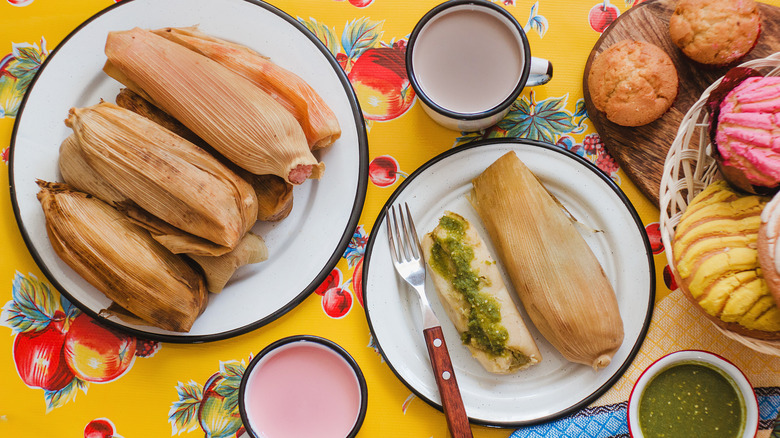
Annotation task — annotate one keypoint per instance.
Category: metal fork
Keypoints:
(407, 258)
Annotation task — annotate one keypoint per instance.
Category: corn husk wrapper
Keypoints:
(558, 278)
(274, 197)
(121, 260)
(77, 173)
(131, 100)
(318, 121)
(477, 316)
(229, 112)
(164, 174)
(274, 194)
(218, 270)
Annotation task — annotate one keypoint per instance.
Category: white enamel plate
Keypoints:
(554, 387)
(303, 248)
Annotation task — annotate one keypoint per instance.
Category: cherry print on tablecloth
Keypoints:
(384, 171)
(100, 428)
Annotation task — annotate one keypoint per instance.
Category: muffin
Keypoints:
(716, 261)
(632, 82)
(747, 134)
(715, 32)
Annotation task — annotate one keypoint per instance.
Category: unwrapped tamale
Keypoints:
(229, 112)
(165, 175)
(318, 121)
(121, 260)
(553, 270)
(471, 290)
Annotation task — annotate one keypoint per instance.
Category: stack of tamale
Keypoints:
(162, 190)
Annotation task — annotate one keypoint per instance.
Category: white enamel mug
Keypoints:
(468, 60)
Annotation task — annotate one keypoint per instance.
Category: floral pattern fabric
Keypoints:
(64, 374)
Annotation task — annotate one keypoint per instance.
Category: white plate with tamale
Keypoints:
(302, 248)
(554, 386)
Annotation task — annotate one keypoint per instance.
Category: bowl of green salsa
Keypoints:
(692, 393)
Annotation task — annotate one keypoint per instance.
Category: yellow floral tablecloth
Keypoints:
(160, 389)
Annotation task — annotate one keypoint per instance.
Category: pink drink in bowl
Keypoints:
(303, 386)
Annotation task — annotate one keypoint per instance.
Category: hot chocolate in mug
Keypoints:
(468, 60)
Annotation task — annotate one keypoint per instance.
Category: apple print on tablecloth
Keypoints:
(213, 406)
(376, 69)
(384, 171)
(61, 350)
(601, 15)
(100, 428)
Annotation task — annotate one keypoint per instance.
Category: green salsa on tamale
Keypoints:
(475, 297)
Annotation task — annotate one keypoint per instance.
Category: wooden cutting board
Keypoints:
(641, 151)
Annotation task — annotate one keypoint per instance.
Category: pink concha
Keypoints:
(748, 131)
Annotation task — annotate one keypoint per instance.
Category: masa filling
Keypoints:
(452, 257)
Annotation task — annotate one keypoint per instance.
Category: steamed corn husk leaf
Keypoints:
(78, 174)
(121, 260)
(131, 100)
(318, 121)
(558, 278)
(164, 174)
(274, 197)
(226, 110)
(218, 270)
(274, 194)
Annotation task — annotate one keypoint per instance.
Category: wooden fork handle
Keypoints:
(454, 411)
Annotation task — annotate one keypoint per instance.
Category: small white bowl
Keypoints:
(738, 379)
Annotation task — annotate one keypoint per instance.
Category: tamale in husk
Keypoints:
(318, 121)
(77, 173)
(165, 174)
(274, 194)
(558, 278)
(218, 270)
(226, 110)
(121, 260)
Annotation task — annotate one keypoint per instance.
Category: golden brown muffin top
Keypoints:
(715, 32)
(633, 82)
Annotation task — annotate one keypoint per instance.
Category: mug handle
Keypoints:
(541, 72)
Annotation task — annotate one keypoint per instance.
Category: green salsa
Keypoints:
(691, 399)
(451, 257)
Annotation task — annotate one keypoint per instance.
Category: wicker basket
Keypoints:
(689, 168)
